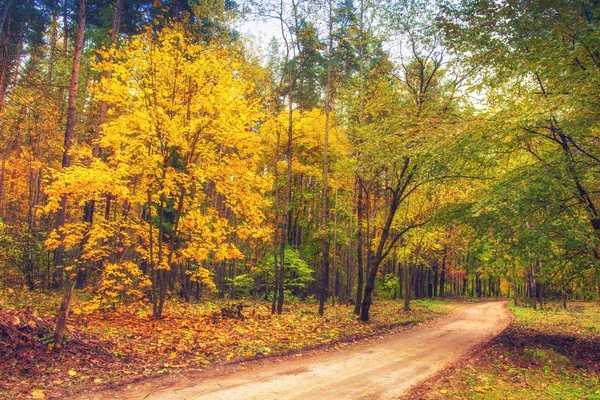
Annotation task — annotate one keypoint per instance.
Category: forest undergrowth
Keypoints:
(125, 344)
(545, 354)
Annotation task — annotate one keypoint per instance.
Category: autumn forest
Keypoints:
(326, 155)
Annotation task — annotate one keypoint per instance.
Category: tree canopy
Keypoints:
(405, 148)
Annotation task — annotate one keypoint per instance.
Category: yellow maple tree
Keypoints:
(180, 156)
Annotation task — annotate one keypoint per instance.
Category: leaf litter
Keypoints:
(127, 344)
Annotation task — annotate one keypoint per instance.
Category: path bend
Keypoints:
(382, 369)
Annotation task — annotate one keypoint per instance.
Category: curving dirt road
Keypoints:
(374, 370)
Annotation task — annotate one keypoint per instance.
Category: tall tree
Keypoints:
(547, 121)
(66, 163)
(328, 100)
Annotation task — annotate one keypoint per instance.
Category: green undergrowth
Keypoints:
(544, 354)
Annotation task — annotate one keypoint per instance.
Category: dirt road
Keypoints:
(382, 369)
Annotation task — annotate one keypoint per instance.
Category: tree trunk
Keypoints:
(400, 280)
(4, 14)
(532, 295)
(408, 286)
(4, 64)
(597, 288)
(69, 132)
(349, 273)
(161, 275)
(336, 272)
(465, 280)
(153, 272)
(288, 195)
(417, 277)
(435, 277)
(276, 223)
(516, 294)
(383, 247)
(360, 205)
(443, 274)
(359, 248)
(369, 287)
(325, 240)
(63, 314)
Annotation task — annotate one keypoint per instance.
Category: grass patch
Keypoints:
(545, 354)
(433, 304)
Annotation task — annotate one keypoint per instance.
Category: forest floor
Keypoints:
(119, 347)
(545, 354)
(380, 368)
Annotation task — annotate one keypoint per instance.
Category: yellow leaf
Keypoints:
(443, 391)
(38, 394)
(173, 355)
(72, 372)
(97, 380)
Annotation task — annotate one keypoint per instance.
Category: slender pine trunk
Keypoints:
(66, 162)
(359, 249)
(325, 240)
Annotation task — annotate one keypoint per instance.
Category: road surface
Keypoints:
(382, 369)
